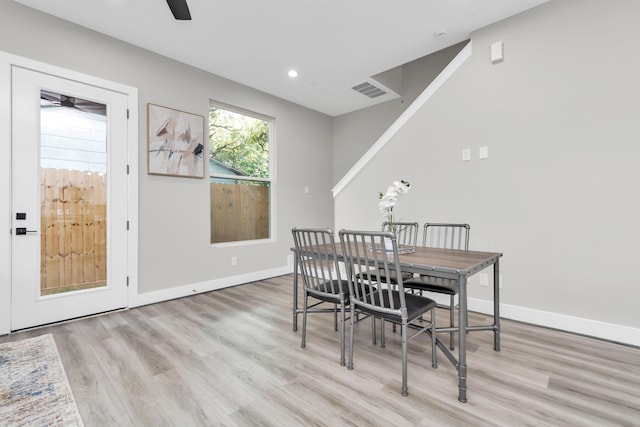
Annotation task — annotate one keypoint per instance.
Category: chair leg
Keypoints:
(403, 328)
(342, 320)
(382, 333)
(452, 309)
(353, 319)
(434, 359)
(373, 330)
(335, 317)
(304, 320)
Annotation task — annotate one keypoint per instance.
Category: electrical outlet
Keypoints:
(484, 279)
(234, 260)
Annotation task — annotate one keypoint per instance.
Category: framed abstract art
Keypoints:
(175, 142)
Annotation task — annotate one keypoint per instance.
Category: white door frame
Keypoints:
(6, 62)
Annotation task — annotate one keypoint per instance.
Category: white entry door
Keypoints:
(68, 199)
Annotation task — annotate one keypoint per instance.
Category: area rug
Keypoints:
(34, 390)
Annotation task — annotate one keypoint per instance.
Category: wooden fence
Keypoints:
(73, 230)
(239, 212)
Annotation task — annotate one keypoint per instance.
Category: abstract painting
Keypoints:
(176, 142)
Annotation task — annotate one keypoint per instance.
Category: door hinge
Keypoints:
(127, 113)
(127, 225)
(127, 169)
(127, 281)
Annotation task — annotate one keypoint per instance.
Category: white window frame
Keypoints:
(273, 232)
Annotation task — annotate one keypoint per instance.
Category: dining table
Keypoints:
(452, 264)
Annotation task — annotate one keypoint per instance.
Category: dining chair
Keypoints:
(366, 259)
(315, 251)
(406, 236)
(406, 232)
(446, 236)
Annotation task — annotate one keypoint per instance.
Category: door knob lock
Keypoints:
(21, 231)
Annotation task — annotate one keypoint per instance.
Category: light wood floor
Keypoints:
(230, 358)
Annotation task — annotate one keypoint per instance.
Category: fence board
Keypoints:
(239, 212)
(88, 229)
(100, 219)
(50, 229)
(75, 209)
(64, 238)
(74, 238)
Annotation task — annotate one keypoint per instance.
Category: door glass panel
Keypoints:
(73, 193)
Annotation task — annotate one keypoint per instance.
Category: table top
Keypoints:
(448, 260)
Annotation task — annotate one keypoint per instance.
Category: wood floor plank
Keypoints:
(101, 404)
(230, 358)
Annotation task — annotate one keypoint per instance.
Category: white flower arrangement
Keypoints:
(389, 200)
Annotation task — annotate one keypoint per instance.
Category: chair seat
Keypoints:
(416, 306)
(433, 284)
(330, 291)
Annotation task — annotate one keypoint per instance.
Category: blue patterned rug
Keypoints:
(34, 390)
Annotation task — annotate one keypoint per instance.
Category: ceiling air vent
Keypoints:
(369, 90)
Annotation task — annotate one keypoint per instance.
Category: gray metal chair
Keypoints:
(366, 260)
(315, 251)
(406, 232)
(407, 236)
(446, 236)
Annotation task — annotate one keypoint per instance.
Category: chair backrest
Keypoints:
(315, 250)
(446, 236)
(367, 261)
(406, 232)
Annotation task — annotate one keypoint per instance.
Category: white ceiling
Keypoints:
(333, 44)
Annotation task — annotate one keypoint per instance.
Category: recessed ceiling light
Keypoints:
(292, 73)
(440, 33)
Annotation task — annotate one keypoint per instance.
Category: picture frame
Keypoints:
(175, 142)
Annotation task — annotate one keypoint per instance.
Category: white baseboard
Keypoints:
(209, 285)
(593, 328)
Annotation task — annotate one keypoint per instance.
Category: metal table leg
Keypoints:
(496, 306)
(462, 338)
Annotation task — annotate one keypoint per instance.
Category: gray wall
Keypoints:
(558, 194)
(174, 247)
(354, 133)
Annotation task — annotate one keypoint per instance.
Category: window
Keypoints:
(240, 151)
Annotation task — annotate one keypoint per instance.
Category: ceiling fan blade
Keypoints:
(180, 9)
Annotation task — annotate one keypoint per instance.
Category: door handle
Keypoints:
(21, 231)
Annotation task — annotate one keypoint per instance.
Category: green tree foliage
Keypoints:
(239, 141)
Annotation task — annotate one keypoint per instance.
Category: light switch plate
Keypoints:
(497, 52)
(483, 153)
(466, 155)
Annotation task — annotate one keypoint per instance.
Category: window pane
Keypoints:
(73, 202)
(239, 142)
(239, 172)
(239, 211)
